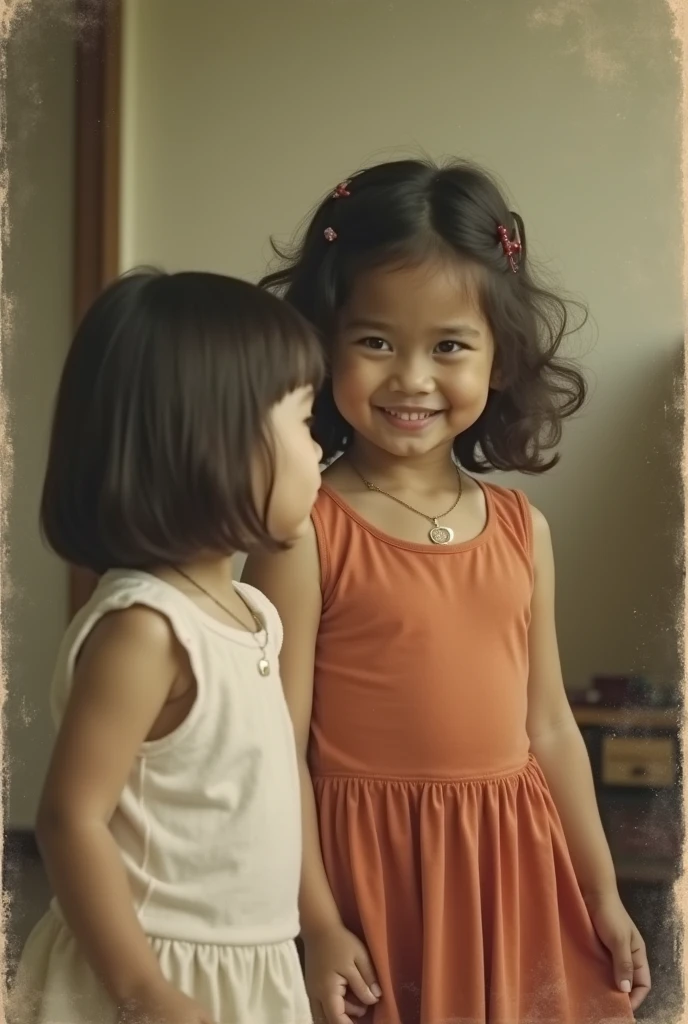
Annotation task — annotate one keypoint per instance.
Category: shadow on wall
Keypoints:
(624, 573)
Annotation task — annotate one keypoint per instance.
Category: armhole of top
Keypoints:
(183, 638)
(527, 520)
(323, 553)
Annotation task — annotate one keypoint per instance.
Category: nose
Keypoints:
(412, 376)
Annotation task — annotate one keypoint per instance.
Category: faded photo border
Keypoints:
(553, 12)
(679, 11)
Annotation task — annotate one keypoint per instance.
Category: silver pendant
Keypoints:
(441, 535)
(264, 667)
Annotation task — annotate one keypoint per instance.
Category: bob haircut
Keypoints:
(161, 413)
(400, 214)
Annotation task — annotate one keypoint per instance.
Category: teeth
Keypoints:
(409, 415)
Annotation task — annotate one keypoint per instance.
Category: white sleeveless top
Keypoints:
(209, 822)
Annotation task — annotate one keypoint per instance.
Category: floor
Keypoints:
(650, 906)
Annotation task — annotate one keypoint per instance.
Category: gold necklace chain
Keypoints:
(263, 664)
(438, 534)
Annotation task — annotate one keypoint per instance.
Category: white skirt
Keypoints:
(236, 984)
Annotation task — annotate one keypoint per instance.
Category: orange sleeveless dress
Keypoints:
(441, 842)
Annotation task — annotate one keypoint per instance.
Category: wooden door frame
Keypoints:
(96, 178)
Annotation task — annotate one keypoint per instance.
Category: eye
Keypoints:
(449, 348)
(375, 344)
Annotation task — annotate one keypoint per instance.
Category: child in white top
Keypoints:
(170, 820)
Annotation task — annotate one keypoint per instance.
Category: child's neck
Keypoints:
(431, 471)
(209, 584)
(211, 573)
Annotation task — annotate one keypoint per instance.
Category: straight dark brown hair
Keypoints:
(161, 414)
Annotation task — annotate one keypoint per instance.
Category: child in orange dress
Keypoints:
(455, 866)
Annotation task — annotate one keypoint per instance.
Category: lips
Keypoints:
(407, 419)
(411, 415)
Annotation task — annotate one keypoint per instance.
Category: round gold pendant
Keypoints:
(264, 667)
(441, 535)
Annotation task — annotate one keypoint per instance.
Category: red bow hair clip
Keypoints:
(511, 248)
(341, 191)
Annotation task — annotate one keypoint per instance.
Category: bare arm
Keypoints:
(122, 680)
(557, 744)
(339, 975)
(291, 580)
(555, 738)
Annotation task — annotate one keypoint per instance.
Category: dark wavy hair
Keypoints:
(161, 409)
(402, 212)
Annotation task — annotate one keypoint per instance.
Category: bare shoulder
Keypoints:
(541, 531)
(543, 554)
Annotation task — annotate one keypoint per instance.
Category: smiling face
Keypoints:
(413, 357)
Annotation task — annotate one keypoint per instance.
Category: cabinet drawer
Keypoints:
(630, 761)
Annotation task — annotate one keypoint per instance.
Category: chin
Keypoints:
(408, 447)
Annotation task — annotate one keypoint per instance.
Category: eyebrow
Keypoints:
(380, 325)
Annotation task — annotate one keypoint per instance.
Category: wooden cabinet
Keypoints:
(638, 761)
(634, 753)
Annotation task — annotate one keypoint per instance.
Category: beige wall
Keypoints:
(37, 276)
(238, 118)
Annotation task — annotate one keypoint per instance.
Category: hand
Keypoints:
(163, 1004)
(337, 968)
(617, 932)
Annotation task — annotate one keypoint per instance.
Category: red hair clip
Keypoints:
(341, 191)
(511, 249)
(330, 234)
